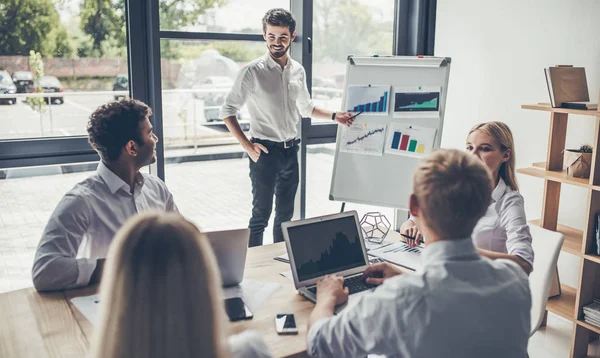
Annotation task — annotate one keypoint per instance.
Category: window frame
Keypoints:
(414, 34)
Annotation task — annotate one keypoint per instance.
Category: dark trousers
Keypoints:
(276, 173)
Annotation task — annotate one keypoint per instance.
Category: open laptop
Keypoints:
(230, 247)
(320, 246)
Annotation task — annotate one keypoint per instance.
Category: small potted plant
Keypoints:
(578, 161)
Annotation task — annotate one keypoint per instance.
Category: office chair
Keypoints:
(546, 247)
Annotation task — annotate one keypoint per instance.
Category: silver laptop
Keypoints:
(230, 247)
(320, 246)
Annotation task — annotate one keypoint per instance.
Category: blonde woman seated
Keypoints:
(502, 233)
(161, 296)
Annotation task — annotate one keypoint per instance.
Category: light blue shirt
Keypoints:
(458, 305)
(84, 222)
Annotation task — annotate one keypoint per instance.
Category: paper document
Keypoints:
(368, 99)
(409, 140)
(363, 138)
(370, 245)
(401, 254)
(88, 306)
(254, 293)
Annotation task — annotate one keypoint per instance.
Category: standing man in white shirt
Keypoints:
(76, 239)
(274, 88)
(459, 304)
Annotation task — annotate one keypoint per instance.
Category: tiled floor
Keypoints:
(215, 195)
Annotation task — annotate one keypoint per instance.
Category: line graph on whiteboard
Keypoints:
(363, 138)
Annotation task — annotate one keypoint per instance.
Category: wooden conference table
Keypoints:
(43, 325)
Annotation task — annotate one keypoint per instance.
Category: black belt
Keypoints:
(269, 143)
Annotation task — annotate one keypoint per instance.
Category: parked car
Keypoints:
(23, 80)
(121, 84)
(7, 87)
(51, 84)
(212, 106)
(221, 83)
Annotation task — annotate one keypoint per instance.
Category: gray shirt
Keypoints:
(84, 222)
(458, 305)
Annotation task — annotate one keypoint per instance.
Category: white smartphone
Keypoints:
(285, 323)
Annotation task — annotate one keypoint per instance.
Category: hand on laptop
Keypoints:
(377, 273)
(331, 288)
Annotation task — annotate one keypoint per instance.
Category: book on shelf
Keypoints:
(567, 84)
(586, 106)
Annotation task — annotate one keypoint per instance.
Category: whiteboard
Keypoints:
(365, 171)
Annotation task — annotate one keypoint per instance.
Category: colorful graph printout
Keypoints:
(363, 138)
(368, 99)
(414, 141)
(417, 102)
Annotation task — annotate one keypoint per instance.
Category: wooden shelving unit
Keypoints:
(570, 303)
(563, 305)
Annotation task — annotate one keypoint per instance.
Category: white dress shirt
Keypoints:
(504, 228)
(248, 344)
(276, 98)
(84, 222)
(458, 305)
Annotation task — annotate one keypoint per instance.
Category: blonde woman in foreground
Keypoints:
(161, 296)
(502, 233)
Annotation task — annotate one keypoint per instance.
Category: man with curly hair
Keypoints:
(75, 241)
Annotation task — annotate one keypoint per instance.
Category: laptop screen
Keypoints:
(326, 247)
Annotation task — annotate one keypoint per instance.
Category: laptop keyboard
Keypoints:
(355, 284)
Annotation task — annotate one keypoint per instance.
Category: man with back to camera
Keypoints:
(459, 304)
(75, 241)
(274, 88)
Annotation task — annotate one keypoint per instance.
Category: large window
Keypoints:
(342, 28)
(59, 60)
(219, 16)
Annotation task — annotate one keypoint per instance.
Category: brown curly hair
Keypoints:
(114, 124)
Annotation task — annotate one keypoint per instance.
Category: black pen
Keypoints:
(413, 238)
(354, 116)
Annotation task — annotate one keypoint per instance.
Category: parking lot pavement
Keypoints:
(182, 119)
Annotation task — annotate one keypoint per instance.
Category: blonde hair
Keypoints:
(453, 190)
(160, 294)
(503, 137)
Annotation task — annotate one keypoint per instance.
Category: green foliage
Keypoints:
(63, 46)
(102, 20)
(177, 14)
(36, 64)
(366, 37)
(29, 25)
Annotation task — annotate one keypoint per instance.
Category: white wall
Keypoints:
(498, 50)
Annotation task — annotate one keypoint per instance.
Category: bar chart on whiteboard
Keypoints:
(409, 140)
(368, 99)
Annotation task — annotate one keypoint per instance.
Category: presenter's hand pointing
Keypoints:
(254, 150)
(345, 118)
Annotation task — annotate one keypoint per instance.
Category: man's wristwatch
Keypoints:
(333, 116)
